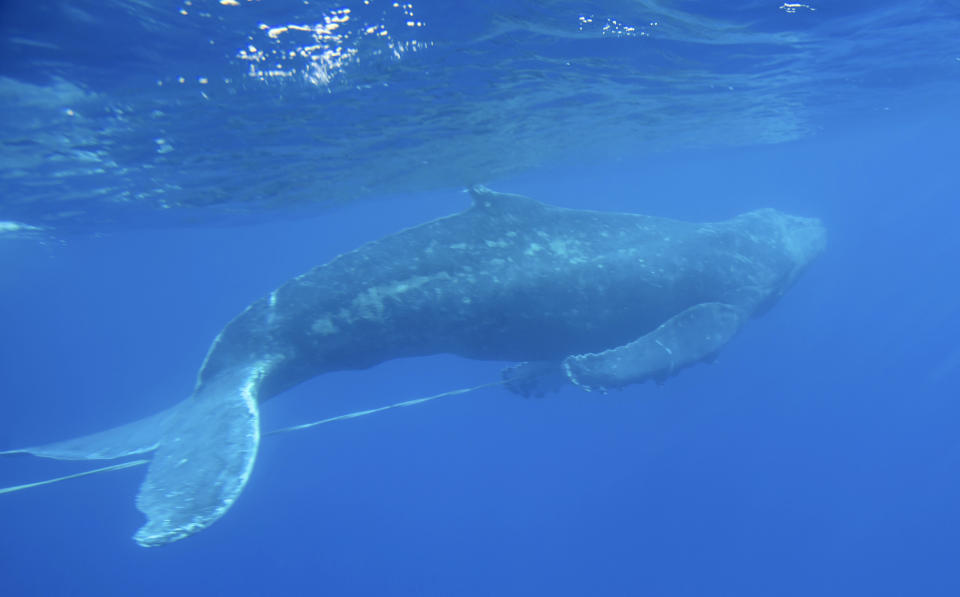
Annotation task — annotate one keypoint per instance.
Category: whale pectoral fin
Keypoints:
(203, 460)
(693, 335)
(536, 378)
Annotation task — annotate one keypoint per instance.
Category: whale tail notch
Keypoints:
(203, 453)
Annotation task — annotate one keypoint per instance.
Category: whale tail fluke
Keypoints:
(139, 437)
(203, 453)
(203, 460)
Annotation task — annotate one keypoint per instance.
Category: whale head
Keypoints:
(782, 246)
(804, 239)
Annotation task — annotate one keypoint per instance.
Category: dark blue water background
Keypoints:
(818, 456)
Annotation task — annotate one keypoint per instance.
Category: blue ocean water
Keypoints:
(158, 175)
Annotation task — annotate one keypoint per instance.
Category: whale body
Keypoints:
(594, 299)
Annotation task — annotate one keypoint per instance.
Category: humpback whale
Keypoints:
(597, 300)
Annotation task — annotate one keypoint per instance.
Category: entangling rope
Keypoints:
(301, 427)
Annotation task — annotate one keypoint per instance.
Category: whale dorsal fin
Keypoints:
(493, 203)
